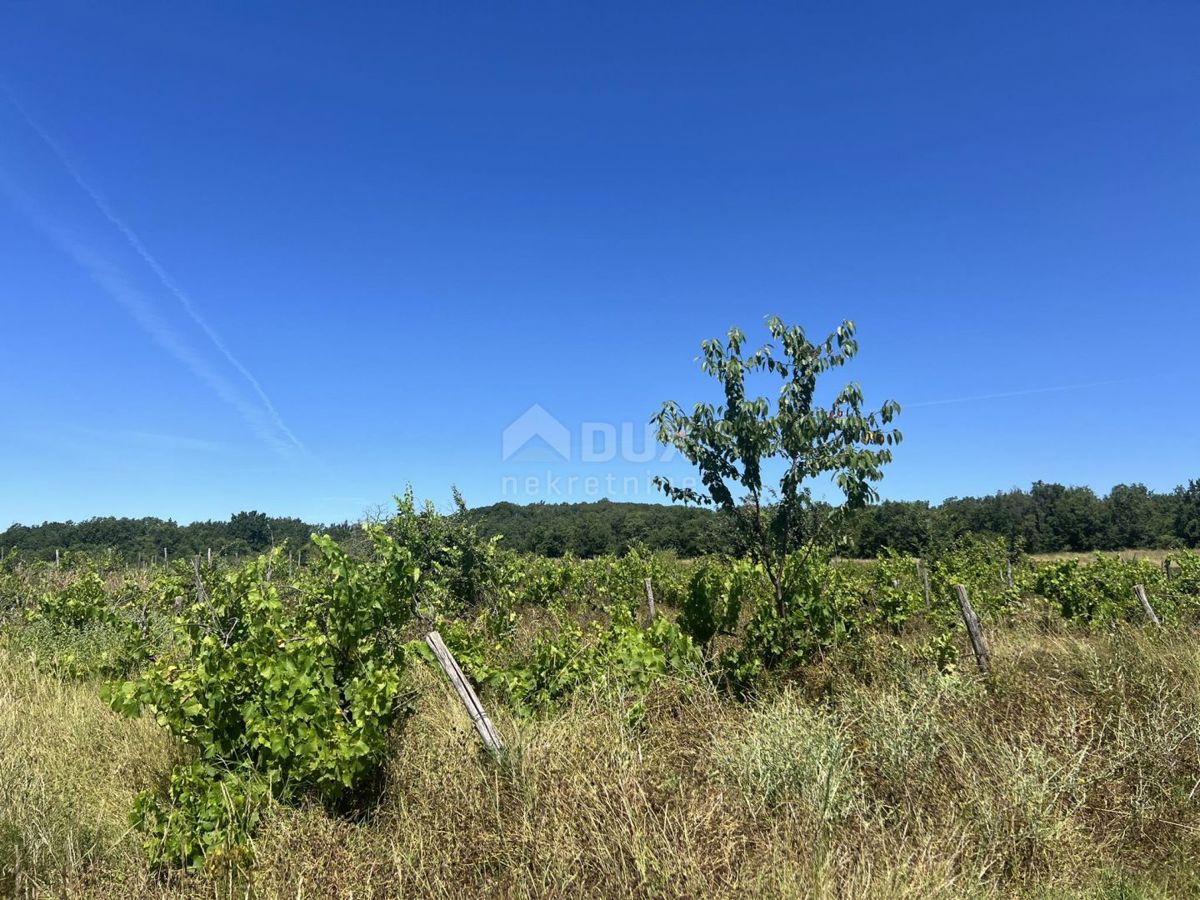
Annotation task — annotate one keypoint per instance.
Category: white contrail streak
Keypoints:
(1022, 393)
(112, 280)
(169, 283)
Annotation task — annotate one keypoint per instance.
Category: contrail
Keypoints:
(1022, 393)
(142, 310)
(169, 283)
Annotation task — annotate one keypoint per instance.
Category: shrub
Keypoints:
(460, 569)
(291, 687)
(1185, 579)
(898, 593)
(620, 655)
(981, 565)
(80, 631)
(611, 580)
(81, 603)
(1102, 590)
(715, 597)
(823, 610)
(546, 582)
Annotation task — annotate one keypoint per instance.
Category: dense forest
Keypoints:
(147, 538)
(593, 529)
(1046, 518)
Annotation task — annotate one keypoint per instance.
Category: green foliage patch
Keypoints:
(286, 689)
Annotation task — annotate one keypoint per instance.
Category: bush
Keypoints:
(81, 603)
(80, 631)
(1102, 590)
(714, 600)
(546, 582)
(289, 686)
(981, 565)
(823, 609)
(612, 580)
(619, 655)
(460, 570)
(898, 593)
(1185, 577)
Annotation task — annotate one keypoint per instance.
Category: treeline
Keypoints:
(594, 529)
(145, 539)
(582, 529)
(1047, 518)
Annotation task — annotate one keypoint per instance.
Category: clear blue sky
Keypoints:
(292, 257)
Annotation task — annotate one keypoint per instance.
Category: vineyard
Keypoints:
(280, 726)
(412, 709)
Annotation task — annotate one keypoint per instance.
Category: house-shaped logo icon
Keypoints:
(536, 436)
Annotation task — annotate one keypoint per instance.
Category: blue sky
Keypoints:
(292, 257)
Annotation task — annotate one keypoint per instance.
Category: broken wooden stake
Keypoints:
(1146, 607)
(466, 693)
(973, 630)
(650, 599)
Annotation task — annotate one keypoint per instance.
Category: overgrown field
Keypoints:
(275, 730)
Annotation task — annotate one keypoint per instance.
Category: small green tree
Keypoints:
(731, 443)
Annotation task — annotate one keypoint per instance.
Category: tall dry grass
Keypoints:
(1075, 773)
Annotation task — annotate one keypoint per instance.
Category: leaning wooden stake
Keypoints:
(650, 598)
(973, 629)
(1146, 607)
(466, 693)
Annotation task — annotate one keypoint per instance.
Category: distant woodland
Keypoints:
(1046, 518)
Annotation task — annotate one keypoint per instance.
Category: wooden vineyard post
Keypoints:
(1008, 572)
(973, 630)
(924, 580)
(1140, 590)
(466, 693)
(210, 557)
(201, 594)
(650, 599)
